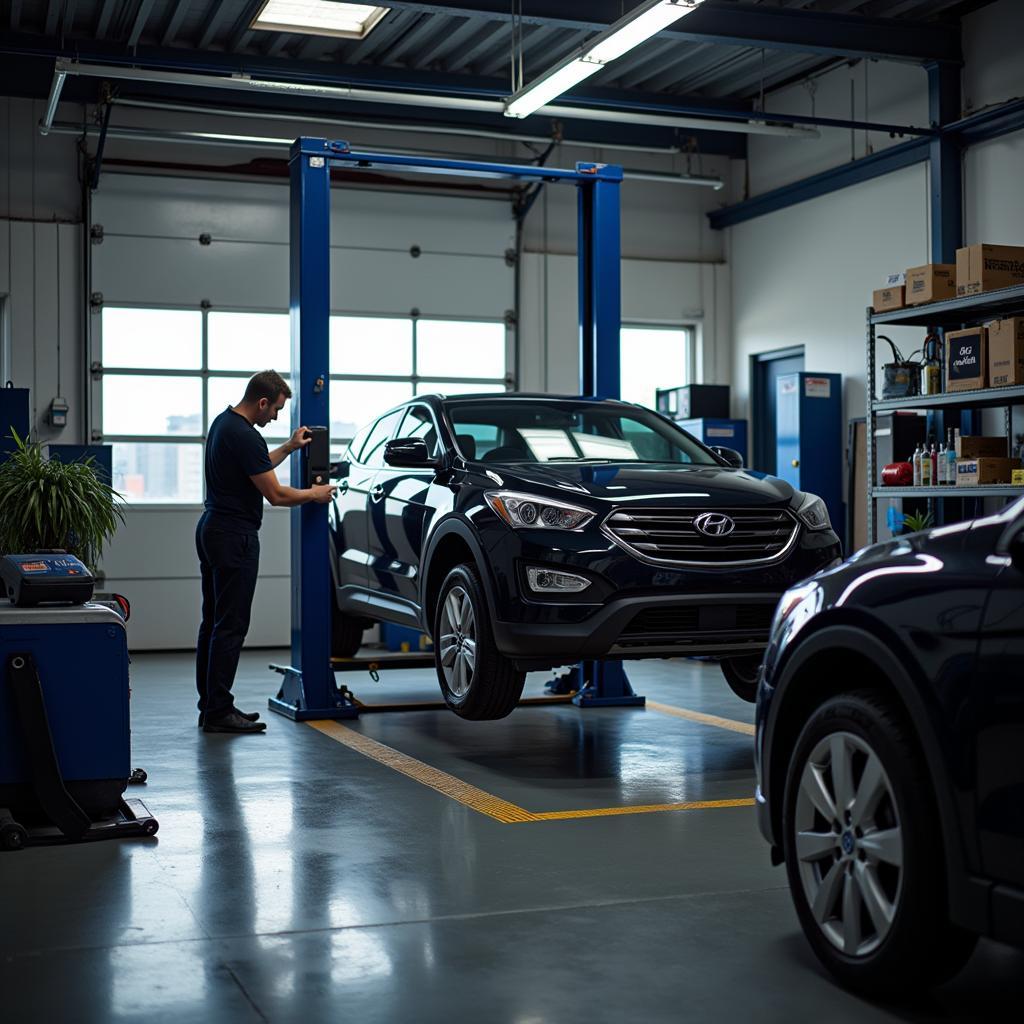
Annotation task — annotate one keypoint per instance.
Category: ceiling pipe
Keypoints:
(220, 139)
(391, 126)
(244, 83)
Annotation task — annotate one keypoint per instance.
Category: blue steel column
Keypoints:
(309, 690)
(945, 163)
(600, 288)
(600, 683)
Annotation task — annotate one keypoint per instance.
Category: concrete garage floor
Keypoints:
(296, 878)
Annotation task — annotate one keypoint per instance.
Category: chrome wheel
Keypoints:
(458, 641)
(848, 843)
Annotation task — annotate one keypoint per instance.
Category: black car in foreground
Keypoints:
(890, 752)
(527, 532)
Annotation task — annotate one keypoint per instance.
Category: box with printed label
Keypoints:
(885, 299)
(1006, 352)
(966, 362)
(1017, 479)
(984, 268)
(970, 447)
(980, 472)
(931, 283)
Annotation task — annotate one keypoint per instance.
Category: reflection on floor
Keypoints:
(297, 878)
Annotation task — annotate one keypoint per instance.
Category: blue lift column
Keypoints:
(308, 690)
(600, 683)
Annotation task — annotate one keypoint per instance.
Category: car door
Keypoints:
(999, 717)
(399, 508)
(350, 511)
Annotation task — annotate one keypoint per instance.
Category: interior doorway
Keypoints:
(765, 369)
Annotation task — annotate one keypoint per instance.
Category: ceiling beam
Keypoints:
(740, 24)
(141, 17)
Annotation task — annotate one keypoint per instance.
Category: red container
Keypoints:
(898, 474)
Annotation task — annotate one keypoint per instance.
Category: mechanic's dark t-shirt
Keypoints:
(235, 451)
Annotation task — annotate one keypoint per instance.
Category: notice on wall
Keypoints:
(817, 387)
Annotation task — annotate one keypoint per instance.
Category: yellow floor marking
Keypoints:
(699, 716)
(479, 800)
(607, 812)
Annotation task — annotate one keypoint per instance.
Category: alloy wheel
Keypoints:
(849, 843)
(458, 641)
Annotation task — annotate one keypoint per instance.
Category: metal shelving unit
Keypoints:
(951, 314)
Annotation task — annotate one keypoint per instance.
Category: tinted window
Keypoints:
(538, 431)
(373, 451)
(419, 423)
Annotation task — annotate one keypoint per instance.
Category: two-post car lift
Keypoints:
(309, 690)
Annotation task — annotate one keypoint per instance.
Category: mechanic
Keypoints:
(239, 475)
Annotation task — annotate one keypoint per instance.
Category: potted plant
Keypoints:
(47, 504)
(918, 521)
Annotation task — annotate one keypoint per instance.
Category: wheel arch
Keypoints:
(452, 543)
(833, 661)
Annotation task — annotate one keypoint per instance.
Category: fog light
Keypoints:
(548, 581)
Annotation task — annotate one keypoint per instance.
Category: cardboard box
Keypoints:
(895, 280)
(983, 268)
(930, 283)
(981, 472)
(1006, 352)
(966, 359)
(885, 299)
(968, 447)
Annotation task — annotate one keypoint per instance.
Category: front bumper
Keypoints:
(633, 609)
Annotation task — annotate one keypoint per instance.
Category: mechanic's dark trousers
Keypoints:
(230, 562)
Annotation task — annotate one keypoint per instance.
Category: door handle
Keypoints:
(796, 463)
(377, 493)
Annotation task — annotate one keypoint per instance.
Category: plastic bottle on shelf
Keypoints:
(950, 460)
(933, 457)
(940, 469)
(916, 460)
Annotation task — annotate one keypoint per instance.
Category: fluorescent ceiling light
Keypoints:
(318, 18)
(647, 20)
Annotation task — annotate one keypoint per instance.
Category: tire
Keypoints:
(12, 836)
(477, 682)
(869, 882)
(346, 633)
(742, 675)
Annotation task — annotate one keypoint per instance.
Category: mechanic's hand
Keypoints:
(300, 438)
(323, 493)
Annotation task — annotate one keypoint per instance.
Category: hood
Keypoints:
(650, 483)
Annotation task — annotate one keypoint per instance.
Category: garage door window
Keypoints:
(668, 350)
(165, 374)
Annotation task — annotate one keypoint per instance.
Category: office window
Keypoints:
(652, 358)
(168, 373)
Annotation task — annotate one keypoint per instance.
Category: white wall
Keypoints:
(804, 275)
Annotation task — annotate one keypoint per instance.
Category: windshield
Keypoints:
(504, 430)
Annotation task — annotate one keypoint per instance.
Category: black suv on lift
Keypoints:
(527, 532)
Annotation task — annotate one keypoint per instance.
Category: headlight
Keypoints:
(529, 512)
(813, 513)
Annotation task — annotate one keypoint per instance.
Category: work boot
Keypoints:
(233, 722)
(252, 716)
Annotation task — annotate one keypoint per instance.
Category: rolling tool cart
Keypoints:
(64, 727)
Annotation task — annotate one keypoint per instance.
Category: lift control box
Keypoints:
(59, 578)
(316, 457)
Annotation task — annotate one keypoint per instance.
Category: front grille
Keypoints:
(688, 622)
(668, 535)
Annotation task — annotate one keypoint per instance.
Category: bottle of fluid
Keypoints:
(916, 460)
(940, 473)
(951, 460)
(926, 468)
(933, 457)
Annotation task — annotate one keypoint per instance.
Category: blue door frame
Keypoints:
(309, 690)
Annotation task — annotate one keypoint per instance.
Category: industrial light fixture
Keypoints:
(645, 21)
(318, 18)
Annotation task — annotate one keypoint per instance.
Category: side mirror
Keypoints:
(339, 470)
(731, 456)
(409, 453)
